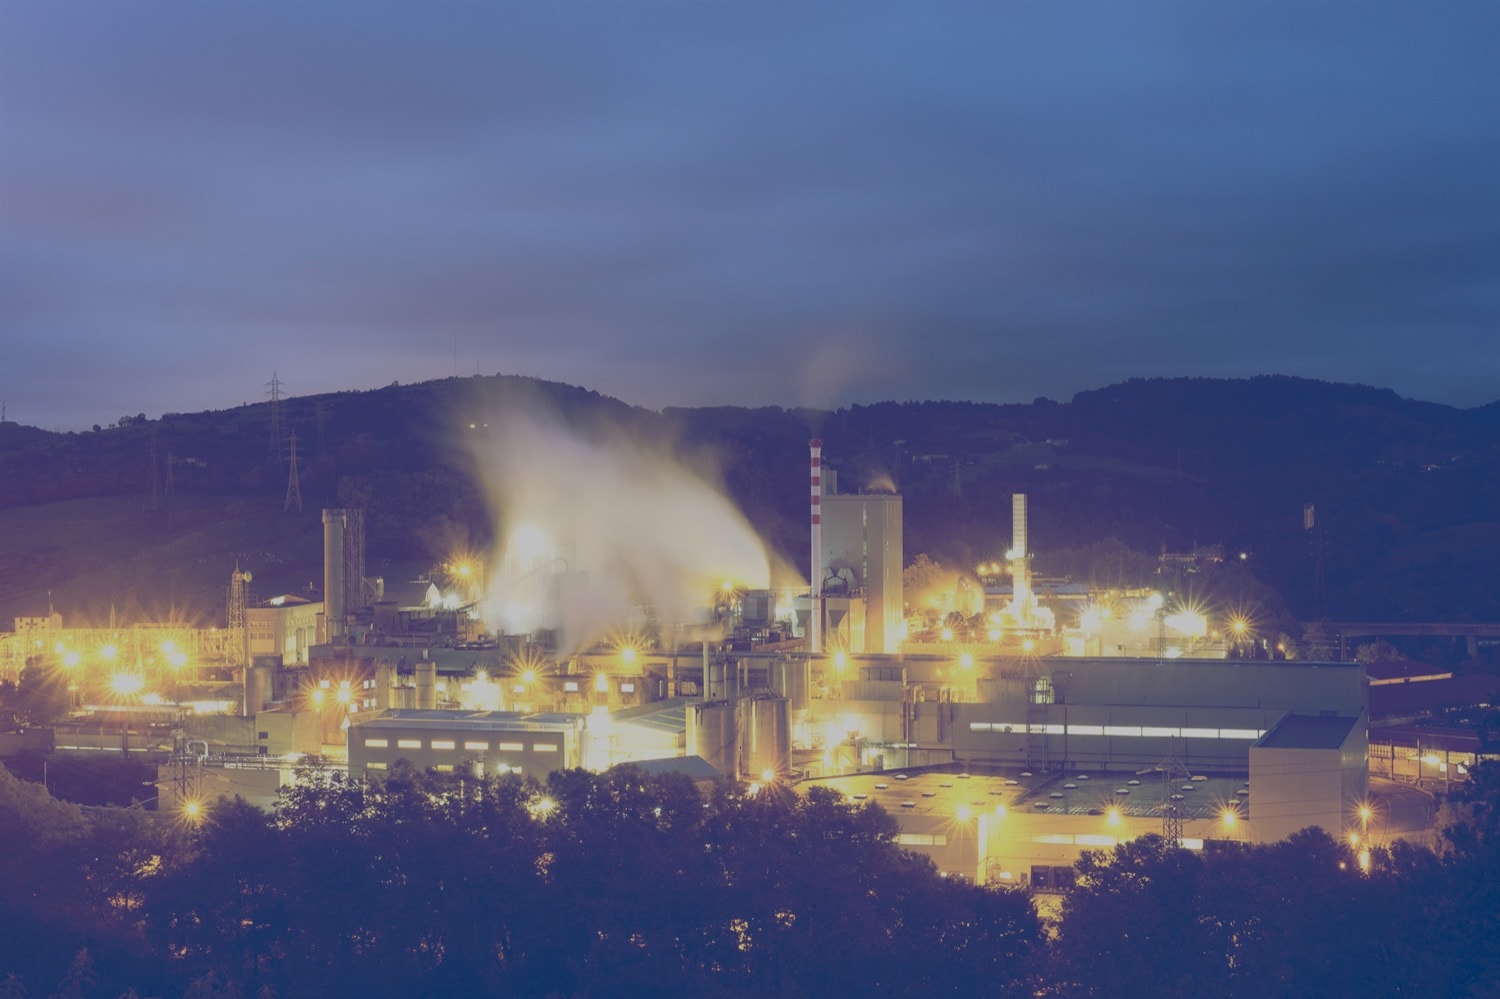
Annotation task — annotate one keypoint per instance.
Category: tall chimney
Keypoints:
(815, 616)
(333, 574)
(1020, 566)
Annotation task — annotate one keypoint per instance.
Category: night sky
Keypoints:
(742, 203)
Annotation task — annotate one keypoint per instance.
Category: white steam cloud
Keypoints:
(594, 524)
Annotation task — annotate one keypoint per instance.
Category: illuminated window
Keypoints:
(1085, 729)
(979, 726)
(627, 688)
(510, 747)
(374, 765)
(1200, 733)
(1122, 730)
(377, 743)
(1240, 733)
(1151, 732)
(442, 744)
(444, 768)
(480, 746)
(544, 747)
(921, 839)
(570, 686)
(408, 743)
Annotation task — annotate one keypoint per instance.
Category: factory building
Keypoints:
(497, 741)
(1030, 762)
(285, 626)
(862, 558)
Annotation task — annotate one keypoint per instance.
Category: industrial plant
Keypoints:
(1007, 721)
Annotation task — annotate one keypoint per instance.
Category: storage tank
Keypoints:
(765, 736)
(257, 689)
(385, 682)
(792, 679)
(711, 734)
(426, 685)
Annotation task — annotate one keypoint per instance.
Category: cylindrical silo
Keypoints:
(426, 684)
(711, 734)
(765, 736)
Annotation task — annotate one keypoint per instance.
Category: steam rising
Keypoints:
(593, 524)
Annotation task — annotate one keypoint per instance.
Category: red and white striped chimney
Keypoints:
(815, 615)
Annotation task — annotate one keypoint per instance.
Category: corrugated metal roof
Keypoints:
(695, 767)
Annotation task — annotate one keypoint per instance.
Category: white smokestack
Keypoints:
(1020, 566)
(333, 574)
(815, 616)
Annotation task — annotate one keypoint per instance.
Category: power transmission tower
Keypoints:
(273, 455)
(293, 489)
(171, 461)
(1172, 769)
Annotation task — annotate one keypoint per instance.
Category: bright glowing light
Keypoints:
(1431, 760)
(192, 811)
(996, 634)
(768, 776)
(317, 697)
(1112, 816)
(840, 661)
(528, 676)
(345, 693)
(1000, 811)
(168, 646)
(1239, 626)
(176, 660)
(947, 634)
(1028, 645)
(601, 683)
(963, 813)
(728, 587)
(1089, 619)
(1229, 817)
(464, 570)
(451, 601)
(543, 806)
(966, 660)
(1353, 839)
(1364, 861)
(627, 655)
(1139, 619)
(1154, 602)
(1365, 813)
(70, 659)
(1188, 622)
(108, 652)
(126, 684)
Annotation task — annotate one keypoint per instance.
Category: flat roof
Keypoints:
(659, 716)
(695, 767)
(1308, 732)
(940, 793)
(514, 721)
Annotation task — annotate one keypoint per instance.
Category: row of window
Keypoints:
(921, 839)
(1120, 731)
(470, 746)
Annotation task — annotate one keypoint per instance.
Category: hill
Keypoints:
(1407, 492)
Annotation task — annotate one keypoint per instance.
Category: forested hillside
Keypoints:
(1406, 493)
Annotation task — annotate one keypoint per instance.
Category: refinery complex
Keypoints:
(1007, 722)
